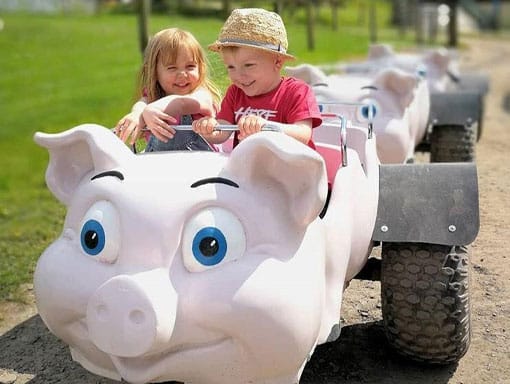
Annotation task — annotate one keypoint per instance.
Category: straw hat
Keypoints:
(256, 28)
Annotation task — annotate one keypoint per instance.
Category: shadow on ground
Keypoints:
(360, 355)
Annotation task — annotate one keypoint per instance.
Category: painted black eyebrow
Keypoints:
(117, 174)
(370, 87)
(211, 180)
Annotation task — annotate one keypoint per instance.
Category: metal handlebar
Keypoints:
(270, 126)
(338, 102)
(343, 135)
(221, 127)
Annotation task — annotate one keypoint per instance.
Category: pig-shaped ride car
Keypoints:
(439, 66)
(457, 99)
(398, 102)
(206, 267)
(436, 66)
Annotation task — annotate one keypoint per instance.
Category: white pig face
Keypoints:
(185, 266)
(434, 65)
(395, 102)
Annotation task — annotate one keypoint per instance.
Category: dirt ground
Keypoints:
(30, 354)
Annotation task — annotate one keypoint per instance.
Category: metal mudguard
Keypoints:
(472, 82)
(455, 108)
(428, 203)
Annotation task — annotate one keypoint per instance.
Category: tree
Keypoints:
(143, 11)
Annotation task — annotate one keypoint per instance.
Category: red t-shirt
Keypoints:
(293, 100)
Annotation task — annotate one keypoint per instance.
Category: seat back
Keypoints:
(357, 140)
(327, 133)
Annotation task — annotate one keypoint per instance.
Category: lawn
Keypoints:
(59, 71)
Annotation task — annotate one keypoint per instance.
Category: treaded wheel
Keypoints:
(425, 301)
(453, 143)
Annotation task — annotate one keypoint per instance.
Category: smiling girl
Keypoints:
(175, 90)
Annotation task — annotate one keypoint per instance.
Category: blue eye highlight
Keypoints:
(209, 246)
(92, 237)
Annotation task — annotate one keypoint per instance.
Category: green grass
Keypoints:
(60, 71)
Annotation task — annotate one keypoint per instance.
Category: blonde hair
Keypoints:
(166, 45)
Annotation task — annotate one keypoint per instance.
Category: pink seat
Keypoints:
(332, 156)
(328, 143)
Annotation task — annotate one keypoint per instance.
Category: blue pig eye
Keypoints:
(421, 71)
(368, 109)
(92, 237)
(367, 112)
(209, 246)
(100, 232)
(212, 237)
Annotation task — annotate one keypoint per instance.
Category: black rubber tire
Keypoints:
(425, 301)
(453, 143)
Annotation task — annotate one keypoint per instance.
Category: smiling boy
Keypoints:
(253, 45)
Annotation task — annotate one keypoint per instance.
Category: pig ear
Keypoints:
(439, 58)
(401, 83)
(310, 74)
(278, 162)
(78, 151)
(376, 51)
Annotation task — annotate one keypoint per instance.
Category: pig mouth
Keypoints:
(167, 364)
(164, 363)
(157, 363)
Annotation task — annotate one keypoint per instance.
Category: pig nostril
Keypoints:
(137, 317)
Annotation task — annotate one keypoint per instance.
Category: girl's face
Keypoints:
(181, 77)
(254, 71)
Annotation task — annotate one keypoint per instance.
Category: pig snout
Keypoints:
(129, 316)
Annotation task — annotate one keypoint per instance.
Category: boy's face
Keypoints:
(181, 77)
(254, 71)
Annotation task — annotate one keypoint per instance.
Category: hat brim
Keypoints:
(217, 46)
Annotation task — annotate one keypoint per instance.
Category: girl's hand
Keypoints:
(126, 126)
(159, 123)
(248, 125)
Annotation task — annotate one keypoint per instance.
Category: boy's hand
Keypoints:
(248, 125)
(205, 126)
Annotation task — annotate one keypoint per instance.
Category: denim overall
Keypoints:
(182, 140)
